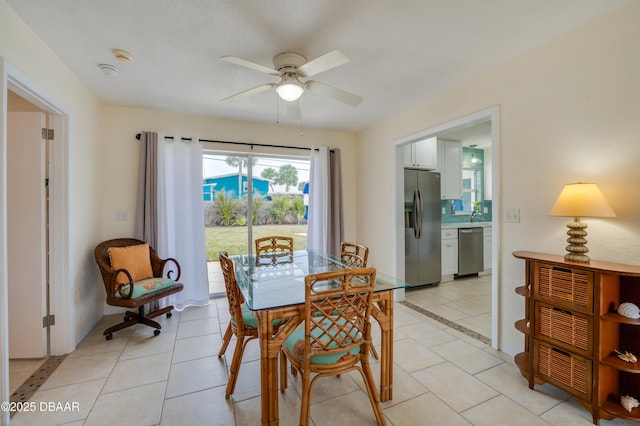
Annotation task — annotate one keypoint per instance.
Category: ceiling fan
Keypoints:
(291, 67)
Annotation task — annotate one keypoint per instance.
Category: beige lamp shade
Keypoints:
(581, 200)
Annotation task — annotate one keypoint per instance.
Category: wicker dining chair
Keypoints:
(243, 323)
(354, 255)
(274, 249)
(336, 333)
(134, 276)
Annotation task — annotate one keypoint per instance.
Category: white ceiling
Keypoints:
(402, 51)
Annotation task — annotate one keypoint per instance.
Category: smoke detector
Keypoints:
(109, 70)
(122, 55)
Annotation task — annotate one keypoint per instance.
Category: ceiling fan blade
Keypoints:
(333, 92)
(249, 92)
(293, 110)
(333, 59)
(249, 64)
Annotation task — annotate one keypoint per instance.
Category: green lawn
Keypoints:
(234, 238)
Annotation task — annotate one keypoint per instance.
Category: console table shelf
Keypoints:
(614, 316)
(522, 361)
(611, 406)
(617, 363)
(572, 330)
(523, 326)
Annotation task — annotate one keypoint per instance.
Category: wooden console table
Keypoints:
(572, 330)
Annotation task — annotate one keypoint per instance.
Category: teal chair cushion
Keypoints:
(250, 319)
(146, 286)
(295, 344)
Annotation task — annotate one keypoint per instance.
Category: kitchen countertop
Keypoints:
(466, 225)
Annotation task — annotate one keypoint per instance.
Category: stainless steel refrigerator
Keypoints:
(422, 229)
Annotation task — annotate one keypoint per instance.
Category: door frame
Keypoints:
(491, 114)
(62, 288)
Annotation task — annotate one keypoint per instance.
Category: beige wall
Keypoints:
(25, 51)
(568, 113)
(120, 154)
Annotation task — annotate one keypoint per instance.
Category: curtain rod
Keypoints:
(239, 143)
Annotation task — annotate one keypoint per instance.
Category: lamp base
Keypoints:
(577, 242)
(573, 257)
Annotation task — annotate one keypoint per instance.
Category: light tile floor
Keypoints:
(465, 301)
(216, 282)
(441, 377)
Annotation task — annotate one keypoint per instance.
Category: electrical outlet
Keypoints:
(485, 210)
(444, 210)
(511, 215)
(121, 215)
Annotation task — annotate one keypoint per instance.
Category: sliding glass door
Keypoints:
(248, 197)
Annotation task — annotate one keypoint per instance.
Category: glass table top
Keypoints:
(269, 284)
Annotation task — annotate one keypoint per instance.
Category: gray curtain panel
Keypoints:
(336, 220)
(146, 212)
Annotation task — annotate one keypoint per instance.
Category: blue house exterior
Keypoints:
(230, 183)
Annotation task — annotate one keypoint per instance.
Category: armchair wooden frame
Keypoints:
(125, 299)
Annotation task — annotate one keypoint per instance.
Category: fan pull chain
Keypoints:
(300, 114)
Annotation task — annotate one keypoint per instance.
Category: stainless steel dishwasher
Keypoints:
(470, 251)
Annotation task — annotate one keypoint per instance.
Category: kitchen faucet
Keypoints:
(474, 214)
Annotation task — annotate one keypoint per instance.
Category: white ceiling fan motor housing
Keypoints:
(284, 62)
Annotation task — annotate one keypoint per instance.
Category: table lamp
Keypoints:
(579, 200)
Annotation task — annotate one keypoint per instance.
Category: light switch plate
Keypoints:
(511, 215)
(121, 215)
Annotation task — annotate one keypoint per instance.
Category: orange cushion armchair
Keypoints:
(133, 276)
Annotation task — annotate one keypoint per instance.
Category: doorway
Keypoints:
(27, 239)
(489, 120)
(62, 335)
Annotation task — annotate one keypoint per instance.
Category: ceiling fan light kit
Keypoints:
(289, 89)
(290, 67)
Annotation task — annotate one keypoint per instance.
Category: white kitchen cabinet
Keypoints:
(487, 240)
(449, 254)
(450, 168)
(422, 154)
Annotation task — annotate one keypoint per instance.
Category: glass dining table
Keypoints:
(275, 289)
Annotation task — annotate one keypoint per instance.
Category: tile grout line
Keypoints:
(448, 323)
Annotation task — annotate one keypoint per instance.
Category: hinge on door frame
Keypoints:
(48, 320)
(47, 134)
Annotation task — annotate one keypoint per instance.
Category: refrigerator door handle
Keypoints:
(420, 217)
(415, 214)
